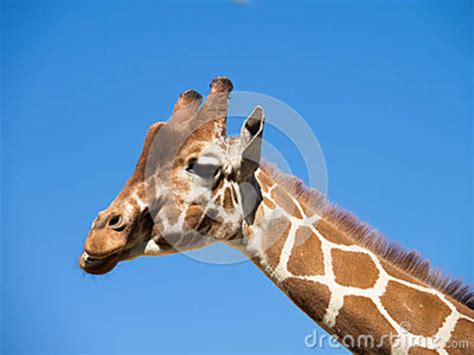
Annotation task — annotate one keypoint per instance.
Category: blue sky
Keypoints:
(386, 87)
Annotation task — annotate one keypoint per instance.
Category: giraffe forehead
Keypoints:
(221, 153)
(130, 198)
(172, 146)
(218, 149)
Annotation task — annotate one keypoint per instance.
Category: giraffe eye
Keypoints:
(191, 164)
(205, 171)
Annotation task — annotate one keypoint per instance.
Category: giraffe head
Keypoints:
(192, 186)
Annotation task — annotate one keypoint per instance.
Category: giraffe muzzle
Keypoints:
(98, 266)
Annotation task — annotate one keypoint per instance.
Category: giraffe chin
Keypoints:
(97, 266)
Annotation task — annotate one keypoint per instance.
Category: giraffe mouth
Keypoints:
(98, 266)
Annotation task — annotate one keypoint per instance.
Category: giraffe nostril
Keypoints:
(115, 222)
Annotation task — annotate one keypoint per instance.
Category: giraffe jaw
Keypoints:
(98, 266)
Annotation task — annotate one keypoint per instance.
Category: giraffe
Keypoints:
(194, 185)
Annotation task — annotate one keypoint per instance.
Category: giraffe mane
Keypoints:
(367, 236)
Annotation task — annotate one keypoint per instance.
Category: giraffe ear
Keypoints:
(251, 142)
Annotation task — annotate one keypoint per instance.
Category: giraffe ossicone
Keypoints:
(194, 186)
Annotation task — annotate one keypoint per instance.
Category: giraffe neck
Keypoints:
(367, 302)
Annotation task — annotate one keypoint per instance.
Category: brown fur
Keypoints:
(463, 331)
(282, 199)
(272, 246)
(423, 311)
(354, 269)
(139, 172)
(370, 321)
(364, 235)
(228, 204)
(299, 264)
(269, 203)
(421, 351)
(296, 289)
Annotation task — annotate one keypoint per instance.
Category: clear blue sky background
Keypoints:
(387, 88)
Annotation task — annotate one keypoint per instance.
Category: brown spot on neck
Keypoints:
(264, 180)
(307, 256)
(269, 203)
(360, 317)
(354, 269)
(396, 272)
(299, 291)
(332, 233)
(273, 239)
(424, 312)
(462, 340)
(284, 200)
(417, 350)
